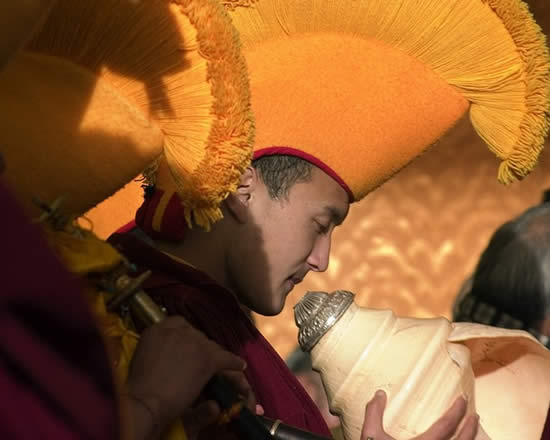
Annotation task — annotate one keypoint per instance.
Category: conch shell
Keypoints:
(423, 365)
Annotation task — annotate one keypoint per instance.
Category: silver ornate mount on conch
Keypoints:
(317, 312)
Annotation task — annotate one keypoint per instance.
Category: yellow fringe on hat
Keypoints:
(492, 51)
(18, 20)
(534, 124)
(229, 144)
(179, 62)
(232, 4)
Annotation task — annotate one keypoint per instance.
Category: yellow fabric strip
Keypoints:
(159, 212)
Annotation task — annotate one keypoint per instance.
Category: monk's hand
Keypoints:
(443, 429)
(172, 363)
(206, 413)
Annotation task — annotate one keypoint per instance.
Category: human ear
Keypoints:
(238, 202)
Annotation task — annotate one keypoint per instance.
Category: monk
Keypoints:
(262, 248)
(344, 96)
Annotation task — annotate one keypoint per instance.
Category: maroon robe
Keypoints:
(546, 432)
(55, 379)
(215, 311)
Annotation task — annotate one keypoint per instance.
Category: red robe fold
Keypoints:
(215, 311)
(55, 379)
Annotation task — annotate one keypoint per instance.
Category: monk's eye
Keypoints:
(321, 228)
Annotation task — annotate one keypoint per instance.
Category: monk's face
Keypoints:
(282, 240)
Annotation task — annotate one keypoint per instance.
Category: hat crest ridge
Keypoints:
(179, 63)
(490, 51)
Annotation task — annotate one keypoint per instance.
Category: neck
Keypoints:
(202, 250)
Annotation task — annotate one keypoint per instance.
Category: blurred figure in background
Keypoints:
(510, 287)
(56, 376)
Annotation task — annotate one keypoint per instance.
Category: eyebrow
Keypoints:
(335, 215)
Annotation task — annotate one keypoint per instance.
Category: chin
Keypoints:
(269, 309)
(265, 302)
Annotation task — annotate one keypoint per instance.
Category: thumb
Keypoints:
(374, 412)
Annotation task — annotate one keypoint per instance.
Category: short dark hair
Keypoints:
(280, 172)
(513, 273)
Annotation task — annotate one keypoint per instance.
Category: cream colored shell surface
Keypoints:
(424, 365)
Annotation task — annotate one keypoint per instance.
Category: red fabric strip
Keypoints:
(289, 151)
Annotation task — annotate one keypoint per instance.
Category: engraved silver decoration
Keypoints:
(317, 312)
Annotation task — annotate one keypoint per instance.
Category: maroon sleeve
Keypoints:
(195, 316)
(546, 432)
(55, 378)
(275, 387)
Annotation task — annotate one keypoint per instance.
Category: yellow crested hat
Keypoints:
(360, 88)
(18, 21)
(107, 87)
